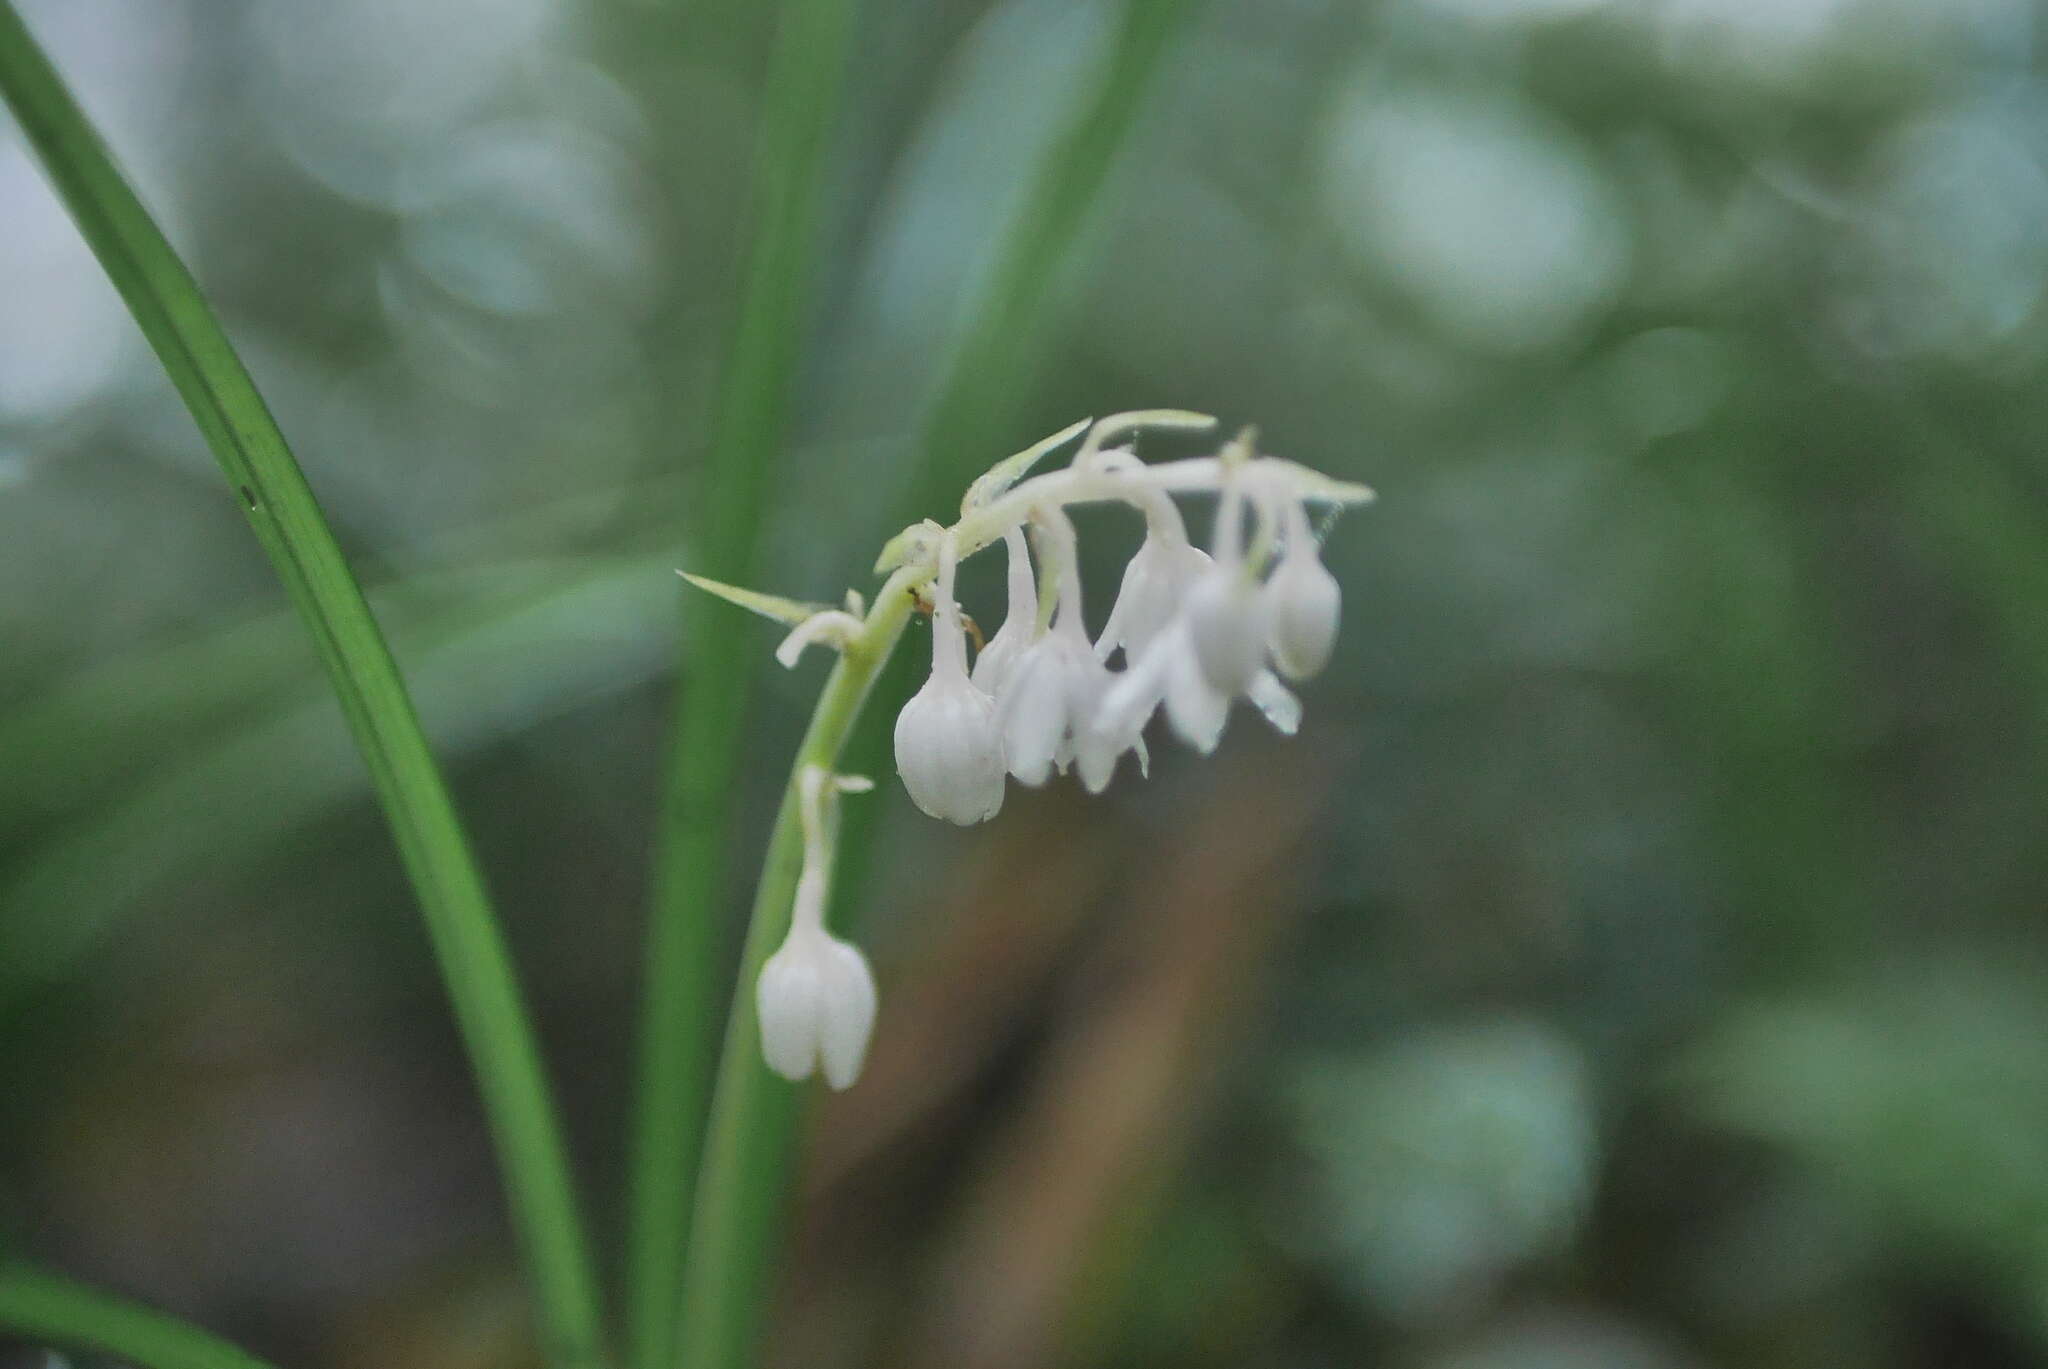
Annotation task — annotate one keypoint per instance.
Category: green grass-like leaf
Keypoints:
(685, 992)
(273, 492)
(64, 1315)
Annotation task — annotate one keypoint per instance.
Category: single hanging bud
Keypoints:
(998, 660)
(815, 999)
(1155, 582)
(948, 749)
(1055, 691)
(1302, 602)
(1226, 623)
(1225, 616)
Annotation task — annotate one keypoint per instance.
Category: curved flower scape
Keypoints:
(1196, 631)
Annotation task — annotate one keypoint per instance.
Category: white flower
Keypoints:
(1302, 602)
(1194, 705)
(998, 660)
(1226, 623)
(816, 1001)
(1155, 583)
(1277, 702)
(1166, 671)
(1051, 700)
(1225, 615)
(948, 749)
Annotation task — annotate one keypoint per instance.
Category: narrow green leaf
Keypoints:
(771, 606)
(280, 506)
(46, 1310)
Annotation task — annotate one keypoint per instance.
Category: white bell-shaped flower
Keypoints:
(1195, 706)
(1226, 624)
(1167, 672)
(816, 1001)
(1050, 702)
(1302, 604)
(1225, 614)
(998, 660)
(1155, 582)
(948, 748)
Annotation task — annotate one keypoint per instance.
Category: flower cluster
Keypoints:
(1196, 629)
(1193, 630)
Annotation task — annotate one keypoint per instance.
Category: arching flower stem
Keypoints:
(751, 1129)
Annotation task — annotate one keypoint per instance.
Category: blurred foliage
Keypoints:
(1639, 962)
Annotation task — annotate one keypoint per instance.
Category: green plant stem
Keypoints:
(65, 1315)
(685, 937)
(280, 506)
(744, 1181)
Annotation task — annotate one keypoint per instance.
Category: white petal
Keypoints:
(1226, 625)
(1034, 713)
(1277, 702)
(1195, 707)
(1302, 606)
(949, 752)
(1155, 582)
(1128, 703)
(787, 1000)
(997, 663)
(848, 1017)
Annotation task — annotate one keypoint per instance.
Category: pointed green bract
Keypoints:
(772, 606)
(1011, 469)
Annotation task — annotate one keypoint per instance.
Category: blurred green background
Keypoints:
(1638, 962)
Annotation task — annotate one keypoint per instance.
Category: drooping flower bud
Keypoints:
(816, 1001)
(1226, 623)
(1225, 617)
(1050, 702)
(1302, 602)
(948, 748)
(998, 660)
(1155, 582)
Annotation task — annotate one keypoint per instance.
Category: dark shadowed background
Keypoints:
(1638, 962)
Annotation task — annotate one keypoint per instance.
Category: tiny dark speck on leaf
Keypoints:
(249, 498)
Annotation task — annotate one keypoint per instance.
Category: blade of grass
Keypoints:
(166, 302)
(684, 973)
(64, 1315)
(743, 1183)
